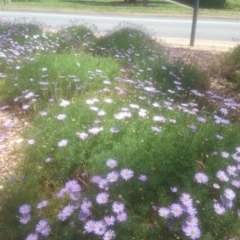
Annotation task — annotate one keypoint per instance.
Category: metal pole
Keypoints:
(194, 22)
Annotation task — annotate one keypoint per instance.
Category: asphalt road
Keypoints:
(170, 27)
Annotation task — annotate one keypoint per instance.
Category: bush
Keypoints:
(206, 3)
(230, 66)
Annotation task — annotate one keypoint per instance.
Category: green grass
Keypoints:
(156, 7)
(159, 7)
(104, 79)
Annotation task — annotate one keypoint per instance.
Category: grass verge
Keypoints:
(159, 7)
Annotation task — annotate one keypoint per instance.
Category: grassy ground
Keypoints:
(158, 7)
(94, 101)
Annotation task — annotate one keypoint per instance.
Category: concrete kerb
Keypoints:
(202, 45)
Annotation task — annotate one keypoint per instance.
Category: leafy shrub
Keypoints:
(230, 66)
(206, 3)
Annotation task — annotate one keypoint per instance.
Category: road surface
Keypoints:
(168, 27)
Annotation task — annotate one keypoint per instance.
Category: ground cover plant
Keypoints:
(121, 142)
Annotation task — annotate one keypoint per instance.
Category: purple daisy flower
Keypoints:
(42, 204)
(89, 226)
(64, 103)
(114, 129)
(232, 171)
(101, 113)
(103, 183)
(83, 215)
(48, 159)
(156, 129)
(218, 208)
(126, 174)
(110, 234)
(96, 179)
(142, 178)
(41, 225)
(95, 130)
(86, 205)
(25, 209)
(61, 216)
(122, 217)
(222, 176)
(61, 193)
(112, 176)
(164, 212)
(109, 220)
(82, 135)
(154, 208)
(112, 163)
(192, 231)
(99, 228)
(118, 207)
(68, 210)
(186, 199)
(236, 183)
(176, 210)
(202, 119)
(191, 221)
(159, 119)
(102, 198)
(63, 143)
(191, 211)
(73, 186)
(229, 194)
(61, 117)
(46, 231)
(24, 219)
(174, 189)
(32, 236)
(225, 154)
(201, 178)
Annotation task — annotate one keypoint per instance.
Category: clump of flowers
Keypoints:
(42, 228)
(117, 210)
(85, 207)
(184, 209)
(25, 210)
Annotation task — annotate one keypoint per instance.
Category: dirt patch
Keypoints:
(11, 127)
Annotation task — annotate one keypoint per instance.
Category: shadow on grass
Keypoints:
(185, 2)
(118, 3)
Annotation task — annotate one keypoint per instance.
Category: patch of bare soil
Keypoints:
(11, 127)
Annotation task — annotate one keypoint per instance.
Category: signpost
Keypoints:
(194, 22)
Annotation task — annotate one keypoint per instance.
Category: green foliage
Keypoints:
(57, 75)
(146, 87)
(206, 3)
(76, 38)
(230, 66)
